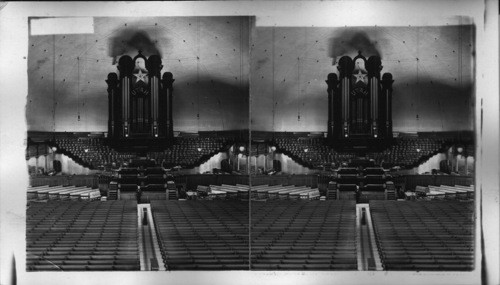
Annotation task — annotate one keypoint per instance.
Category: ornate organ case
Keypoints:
(359, 101)
(140, 100)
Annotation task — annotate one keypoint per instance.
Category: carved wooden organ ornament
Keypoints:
(359, 101)
(140, 100)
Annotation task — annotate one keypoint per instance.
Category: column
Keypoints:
(466, 166)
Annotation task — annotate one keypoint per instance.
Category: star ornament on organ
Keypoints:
(360, 76)
(141, 76)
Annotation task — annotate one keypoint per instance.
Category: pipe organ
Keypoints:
(359, 102)
(140, 99)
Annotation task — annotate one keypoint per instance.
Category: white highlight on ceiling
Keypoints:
(58, 26)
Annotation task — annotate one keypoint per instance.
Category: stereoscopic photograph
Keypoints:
(242, 142)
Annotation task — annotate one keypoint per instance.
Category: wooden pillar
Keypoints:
(466, 166)
(265, 161)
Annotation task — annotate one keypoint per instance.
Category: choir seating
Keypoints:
(425, 235)
(191, 151)
(202, 235)
(410, 151)
(91, 152)
(318, 154)
(303, 235)
(80, 236)
(187, 152)
(406, 151)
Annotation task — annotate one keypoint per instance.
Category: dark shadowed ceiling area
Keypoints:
(432, 68)
(208, 57)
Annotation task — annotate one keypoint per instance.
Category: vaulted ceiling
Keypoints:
(218, 61)
(432, 67)
(208, 57)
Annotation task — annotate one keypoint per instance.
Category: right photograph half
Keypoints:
(363, 148)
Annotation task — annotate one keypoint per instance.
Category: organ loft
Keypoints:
(140, 102)
(359, 103)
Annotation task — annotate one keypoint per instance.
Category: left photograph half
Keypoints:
(135, 128)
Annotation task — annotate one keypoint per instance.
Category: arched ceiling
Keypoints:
(432, 67)
(218, 61)
(207, 55)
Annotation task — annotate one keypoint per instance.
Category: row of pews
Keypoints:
(274, 234)
(446, 192)
(285, 235)
(304, 235)
(289, 192)
(61, 192)
(240, 191)
(202, 235)
(226, 191)
(79, 236)
(424, 235)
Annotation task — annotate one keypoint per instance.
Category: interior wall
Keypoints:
(432, 67)
(208, 56)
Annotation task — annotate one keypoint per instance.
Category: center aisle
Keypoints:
(368, 256)
(148, 245)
